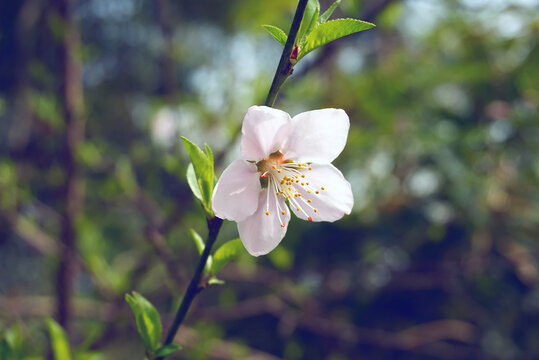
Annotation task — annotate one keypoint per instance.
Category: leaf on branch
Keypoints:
(167, 350)
(277, 33)
(147, 319)
(332, 30)
(204, 174)
(199, 243)
(192, 181)
(227, 252)
(309, 21)
(60, 344)
(325, 16)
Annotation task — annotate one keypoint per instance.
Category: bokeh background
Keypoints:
(439, 259)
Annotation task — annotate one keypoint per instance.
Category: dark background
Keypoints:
(437, 261)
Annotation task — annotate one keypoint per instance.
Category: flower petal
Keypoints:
(317, 136)
(235, 196)
(264, 131)
(331, 203)
(261, 233)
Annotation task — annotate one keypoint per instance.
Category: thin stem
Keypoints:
(214, 225)
(284, 69)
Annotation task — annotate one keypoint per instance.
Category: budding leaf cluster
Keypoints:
(316, 31)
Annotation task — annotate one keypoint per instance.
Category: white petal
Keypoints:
(332, 203)
(261, 233)
(235, 196)
(317, 136)
(264, 131)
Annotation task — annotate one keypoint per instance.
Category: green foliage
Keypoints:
(199, 243)
(315, 29)
(330, 31)
(227, 252)
(309, 21)
(167, 350)
(11, 343)
(59, 341)
(204, 173)
(277, 33)
(325, 16)
(148, 321)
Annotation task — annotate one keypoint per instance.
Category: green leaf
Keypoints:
(309, 21)
(60, 345)
(166, 350)
(147, 319)
(277, 33)
(192, 181)
(203, 167)
(215, 281)
(199, 243)
(332, 30)
(227, 252)
(325, 16)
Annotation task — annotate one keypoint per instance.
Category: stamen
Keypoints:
(310, 218)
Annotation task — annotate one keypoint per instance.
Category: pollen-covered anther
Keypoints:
(283, 225)
(323, 188)
(267, 213)
(317, 192)
(315, 210)
(302, 175)
(310, 218)
(283, 212)
(309, 200)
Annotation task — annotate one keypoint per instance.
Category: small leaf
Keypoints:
(214, 281)
(60, 345)
(309, 21)
(325, 16)
(147, 319)
(199, 243)
(192, 181)
(277, 33)
(166, 350)
(332, 30)
(227, 252)
(203, 167)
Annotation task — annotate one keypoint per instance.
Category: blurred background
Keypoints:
(439, 259)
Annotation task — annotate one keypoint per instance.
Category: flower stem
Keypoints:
(214, 225)
(284, 69)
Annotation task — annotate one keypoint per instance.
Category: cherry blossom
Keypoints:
(285, 164)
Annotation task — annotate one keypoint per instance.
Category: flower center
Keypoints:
(289, 179)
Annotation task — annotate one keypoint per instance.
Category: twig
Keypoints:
(214, 225)
(284, 69)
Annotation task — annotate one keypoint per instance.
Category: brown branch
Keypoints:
(73, 189)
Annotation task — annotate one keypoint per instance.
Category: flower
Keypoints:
(284, 160)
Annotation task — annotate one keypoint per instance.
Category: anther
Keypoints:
(317, 192)
(283, 212)
(309, 200)
(267, 212)
(323, 188)
(310, 218)
(315, 210)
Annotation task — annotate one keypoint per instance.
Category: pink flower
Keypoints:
(284, 160)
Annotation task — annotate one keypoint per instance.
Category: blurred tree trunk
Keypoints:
(71, 97)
